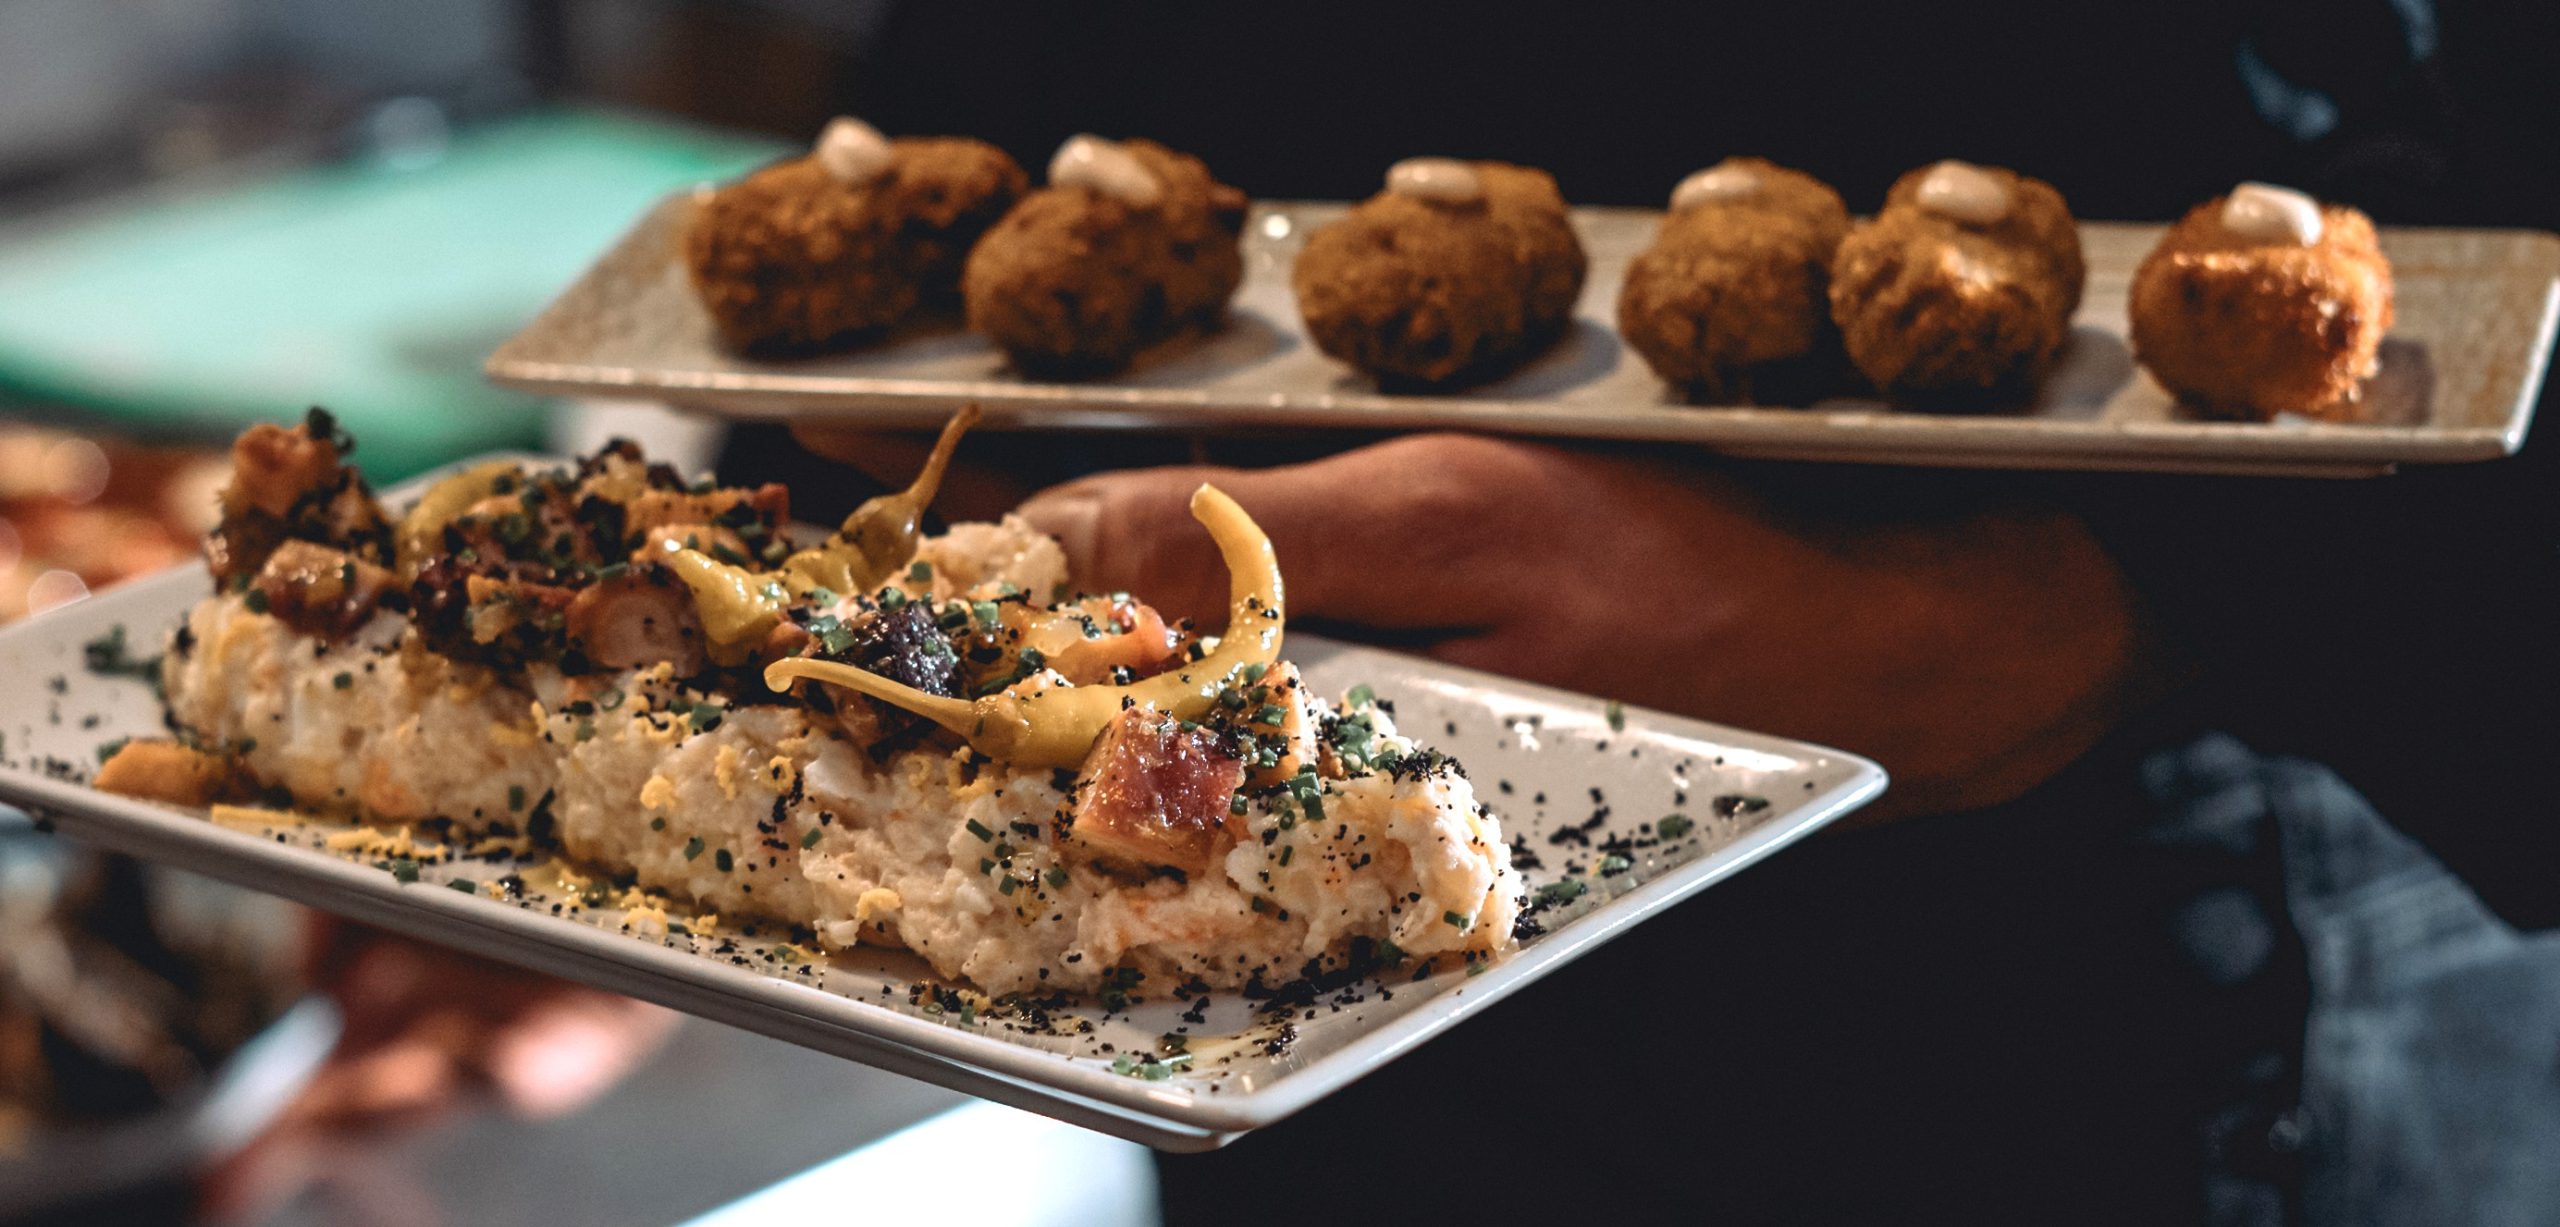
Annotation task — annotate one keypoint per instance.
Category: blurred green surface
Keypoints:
(374, 288)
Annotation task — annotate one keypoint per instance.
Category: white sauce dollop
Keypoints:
(2265, 213)
(1092, 162)
(852, 152)
(1962, 192)
(1720, 182)
(1441, 180)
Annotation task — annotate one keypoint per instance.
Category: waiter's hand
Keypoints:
(1973, 652)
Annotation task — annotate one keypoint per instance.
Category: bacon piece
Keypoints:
(322, 592)
(637, 619)
(1153, 793)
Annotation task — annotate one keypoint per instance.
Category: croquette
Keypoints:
(1730, 302)
(2263, 302)
(1457, 271)
(859, 235)
(1129, 243)
(1959, 294)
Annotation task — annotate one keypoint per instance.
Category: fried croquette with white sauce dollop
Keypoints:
(2263, 302)
(855, 237)
(1730, 302)
(1457, 271)
(1129, 243)
(1959, 294)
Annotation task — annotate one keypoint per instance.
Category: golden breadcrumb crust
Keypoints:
(2238, 328)
(1429, 292)
(1733, 292)
(1940, 313)
(790, 260)
(1074, 281)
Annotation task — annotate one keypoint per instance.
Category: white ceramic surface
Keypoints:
(2476, 312)
(1564, 782)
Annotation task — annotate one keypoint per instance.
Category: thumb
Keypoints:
(1404, 534)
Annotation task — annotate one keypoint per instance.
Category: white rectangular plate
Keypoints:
(1563, 780)
(2465, 359)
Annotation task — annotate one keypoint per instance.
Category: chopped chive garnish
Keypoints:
(1057, 875)
(979, 829)
(693, 847)
(1673, 826)
(832, 634)
(343, 680)
(1455, 920)
(515, 796)
(1617, 716)
(722, 861)
(920, 572)
(810, 840)
(1360, 696)
(658, 823)
(465, 885)
(1006, 885)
